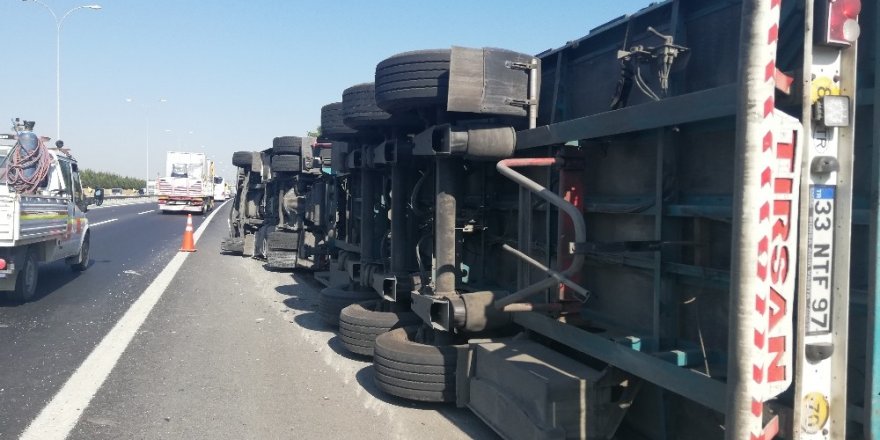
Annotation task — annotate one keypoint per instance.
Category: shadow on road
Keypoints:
(312, 321)
(302, 296)
(303, 299)
(52, 277)
(335, 344)
(461, 417)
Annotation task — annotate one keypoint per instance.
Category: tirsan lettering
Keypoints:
(779, 264)
(774, 256)
(776, 372)
(777, 309)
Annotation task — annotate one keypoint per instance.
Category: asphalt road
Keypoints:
(230, 350)
(43, 341)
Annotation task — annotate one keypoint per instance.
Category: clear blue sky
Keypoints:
(235, 74)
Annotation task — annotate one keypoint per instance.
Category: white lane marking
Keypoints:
(61, 414)
(103, 222)
(127, 203)
(142, 213)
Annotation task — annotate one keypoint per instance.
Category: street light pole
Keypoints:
(146, 110)
(58, 24)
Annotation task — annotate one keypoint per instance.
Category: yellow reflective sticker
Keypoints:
(815, 409)
(823, 86)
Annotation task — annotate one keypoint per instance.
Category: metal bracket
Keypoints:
(354, 160)
(520, 102)
(517, 65)
(819, 351)
(824, 165)
(391, 287)
(433, 310)
(353, 268)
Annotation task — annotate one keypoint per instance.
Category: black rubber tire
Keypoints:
(418, 382)
(412, 370)
(359, 108)
(27, 278)
(360, 324)
(413, 80)
(280, 240)
(332, 300)
(332, 126)
(81, 262)
(404, 369)
(243, 159)
(232, 246)
(289, 163)
(280, 259)
(287, 145)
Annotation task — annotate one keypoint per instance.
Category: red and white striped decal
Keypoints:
(776, 246)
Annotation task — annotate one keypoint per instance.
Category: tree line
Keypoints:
(102, 179)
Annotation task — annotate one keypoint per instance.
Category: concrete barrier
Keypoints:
(128, 200)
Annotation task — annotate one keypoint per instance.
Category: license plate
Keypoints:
(820, 239)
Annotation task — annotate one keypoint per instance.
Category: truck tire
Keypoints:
(359, 108)
(81, 261)
(287, 164)
(332, 300)
(232, 246)
(242, 159)
(407, 368)
(27, 278)
(280, 240)
(249, 245)
(280, 259)
(287, 145)
(332, 126)
(360, 324)
(412, 80)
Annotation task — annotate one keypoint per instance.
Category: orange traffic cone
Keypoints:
(188, 244)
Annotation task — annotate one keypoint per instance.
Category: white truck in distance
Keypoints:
(188, 184)
(42, 210)
(220, 189)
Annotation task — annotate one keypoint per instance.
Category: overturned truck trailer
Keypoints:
(283, 210)
(664, 229)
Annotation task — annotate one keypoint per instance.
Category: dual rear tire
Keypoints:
(361, 323)
(407, 366)
(332, 300)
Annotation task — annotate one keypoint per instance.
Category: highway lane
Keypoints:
(43, 341)
(232, 350)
